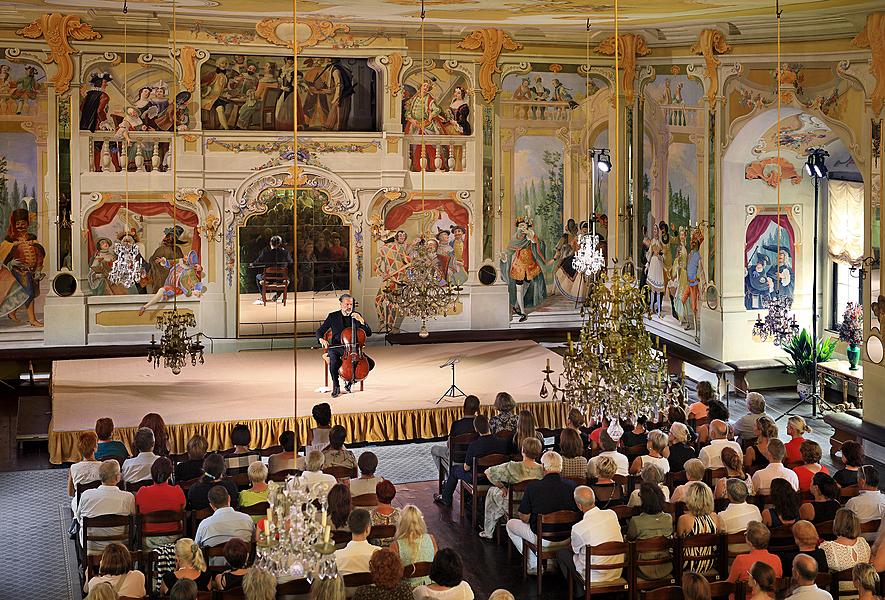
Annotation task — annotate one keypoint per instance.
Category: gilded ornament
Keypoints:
(873, 37)
(320, 30)
(710, 43)
(629, 47)
(492, 42)
(56, 28)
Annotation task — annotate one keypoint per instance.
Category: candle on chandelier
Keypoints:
(548, 364)
(569, 341)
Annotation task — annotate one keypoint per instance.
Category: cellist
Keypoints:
(338, 321)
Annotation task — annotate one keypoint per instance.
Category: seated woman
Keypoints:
(756, 456)
(116, 569)
(734, 467)
(680, 450)
(189, 564)
(525, 428)
(504, 418)
(785, 509)
(318, 437)
(716, 411)
(108, 448)
(866, 581)
(86, 470)
(796, 428)
(574, 421)
(849, 548)
(852, 458)
(502, 476)
(257, 492)
(650, 474)
(236, 553)
(574, 465)
(340, 505)
(413, 543)
(699, 519)
(155, 423)
(811, 455)
(387, 579)
(285, 460)
(762, 579)
(192, 468)
(242, 456)
(638, 436)
(336, 454)
(652, 522)
(160, 496)
(758, 536)
(826, 500)
(694, 471)
(698, 410)
(745, 427)
(366, 482)
(608, 493)
(695, 587)
(384, 513)
(657, 445)
(259, 584)
(447, 579)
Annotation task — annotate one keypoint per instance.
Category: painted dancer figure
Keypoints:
(525, 273)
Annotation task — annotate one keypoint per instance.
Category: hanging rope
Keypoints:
(125, 108)
(778, 136)
(295, 209)
(174, 148)
(617, 145)
(426, 121)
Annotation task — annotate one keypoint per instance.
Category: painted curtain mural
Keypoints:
(257, 93)
(769, 260)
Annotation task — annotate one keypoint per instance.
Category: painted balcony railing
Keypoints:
(148, 151)
(443, 153)
(536, 110)
(679, 115)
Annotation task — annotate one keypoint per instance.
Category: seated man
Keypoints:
(355, 556)
(808, 542)
(239, 461)
(869, 504)
(610, 449)
(138, 468)
(550, 494)
(287, 459)
(213, 474)
(775, 470)
(804, 575)
(738, 514)
(106, 499)
(711, 455)
(440, 452)
(484, 445)
(225, 523)
(758, 536)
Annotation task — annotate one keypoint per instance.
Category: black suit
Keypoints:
(337, 323)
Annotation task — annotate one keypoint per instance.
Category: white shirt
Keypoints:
(810, 592)
(621, 461)
(711, 455)
(138, 468)
(314, 478)
(597, 527)
(224, 524)
(358, 487)
(636, 500)
(763, 477)
(104, 500)
(462, 591)
(867, 505)
(354, 557)
(735, 517)
(85, 471)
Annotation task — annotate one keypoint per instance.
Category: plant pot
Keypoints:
(805, 390)
(853, 356)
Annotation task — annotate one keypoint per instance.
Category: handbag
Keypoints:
(74, 529)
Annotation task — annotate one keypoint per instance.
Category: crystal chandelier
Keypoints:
(295, 538)
(175, 344)
(589, 259)
(779, 324)
(423, 293)
(128, 268)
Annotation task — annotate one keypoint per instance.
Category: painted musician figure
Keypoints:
(337, 322)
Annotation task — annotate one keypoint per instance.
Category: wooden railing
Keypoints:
(148, 151)
(536, 110)
(445, 153)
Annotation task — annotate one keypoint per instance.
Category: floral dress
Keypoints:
(496, 499)
(504, 421)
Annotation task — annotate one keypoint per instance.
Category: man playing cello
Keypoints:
(338, 321)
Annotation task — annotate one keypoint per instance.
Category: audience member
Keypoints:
(852, 458)
(745, 427)
(758, 536)
(694, 471)
(763, 478)
(354, 557)
(236, 553)
(501, 594)
(695, 587)
(412, 543)
(259, 584)
(652, 522)
(108, 448)
(550, 494)
(807, 542)
(849, 548)
(680, 450)
(366, 482)
(106, 499)
(761, 581)
(155, 423)
(242, 456)
(739, 513)
(213, 474)
(866, 581)
(384, 513)
(825, 500)
(525, 428)
(447, 579)
(698, 410)
(504, 419)
(257, 492)
(387, 579)
(796, 428)
(184, 589)
(869, 504)
(116, 569)
(286, 460)
(650, 474)
(677, 414)
(734, 469)
(638, 436)
(716, 411)
(657, 445)
(804, 576)
(785, 502)
(86, 470)
(318, 437)
(336, 454)
(483, 445)
(340, 505)
(811, 455)
(157, 497)
(313, 475)
(224, 523)
(597, 429)
(574, 421)
(440, 452)
(711, 455)
(699, 519)
(608, 492)
(502, 476)
(756, 456)
(610, 450)
(102, 591)
(574, 465)
(192, 467)
(189, 564)
(138, 468)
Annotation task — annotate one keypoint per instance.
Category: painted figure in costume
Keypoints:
(341, 89)
(23, 256)
(94, 112)
(423, 116)
(757, 286)
(26, 89)
(781, 278)
(159, 272)
(566, 279)
(393, 258)
(100, 269)
(654, 272)
(694, 271)
(525, 274)
(678, 272)
(445, 255)
(213, 87)
(184, 277)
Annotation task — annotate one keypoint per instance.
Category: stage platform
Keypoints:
(256, 388)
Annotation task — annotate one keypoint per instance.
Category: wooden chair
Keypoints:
(210, 552)
(281, 476)
(159, 517)
(825, 530)
(382, 532)
(651, 546)
(617, 586)
(123, 536)
(341, 538)
(782, 540)
(326, 360)
(241, 479)
(713, 475)
(270, 451)
(732, 546)
(633, 452)
(723, 589)
(177, 458)
(674, 479)
(341, 473)
(133, 487)
(848, 492)
(707, 545)
(82, 487)
(625, 513)
(255, 510)
(577, 480)
(553, 528)
(670, 592)
(195, 517)
(457, 454)
(514, 496)
(355, 580)
(275, 279)
(478, 486)
(186, 485)
(365, 501)
(420, 569)
(292, 588)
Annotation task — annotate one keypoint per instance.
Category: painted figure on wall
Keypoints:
(757, 291)
(169, 250)
(769, 251)
(183, 277)
(781, 275)
(694, 273)
(94, 105)
(423, 117)
(654, 272)
(23, 257)
(393, 257)
(26, 89)
(525, 275)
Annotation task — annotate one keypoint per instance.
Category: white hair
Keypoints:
(552, 462)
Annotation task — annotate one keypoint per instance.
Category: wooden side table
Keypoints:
(839, 369)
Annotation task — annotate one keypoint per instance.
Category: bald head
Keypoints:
(584, 498)
(804, 569)
(718, 430)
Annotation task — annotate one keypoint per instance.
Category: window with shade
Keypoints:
(845, 244)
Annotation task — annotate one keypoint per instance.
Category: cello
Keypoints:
(354, 362)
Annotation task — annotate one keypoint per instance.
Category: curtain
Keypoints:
(399, 214)
(758, 226)
(105, 213)
(845, 221)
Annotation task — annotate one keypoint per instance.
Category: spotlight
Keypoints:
(604, 163)
(809, 165)
(815, 165)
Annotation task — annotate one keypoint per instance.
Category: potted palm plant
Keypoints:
(851, 331)
(802, 350)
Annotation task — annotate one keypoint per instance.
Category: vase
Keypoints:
(805, 391)
(853, 356)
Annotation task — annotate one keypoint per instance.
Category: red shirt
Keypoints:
(740, 568)
(793, 454)
(159, 496)
(805, 476)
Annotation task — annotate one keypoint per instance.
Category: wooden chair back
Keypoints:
(106, 521)
(186, 485)
(210, 552)
(722, 589)
(825, 530)
(341, 538)
(633, 451)
(420, 569)
(365, 501)
(341, 473)
(134, 486)
(381, 532)
(670, 592)
(255, 510)
(177, 458)
(281, 476)
(674, 479)
(270, 451)
(241, 480)
(712, 475)
(292, 588)
(848, 492)
(870, 526)
(160, 517)
(196, 516)
(275, 279)
(609, 549)
(707, 545)
(625, 513)
(505, 434)
(82, 487)
(457, 453)
(650, 547)
(355, 580)
(551, 526)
